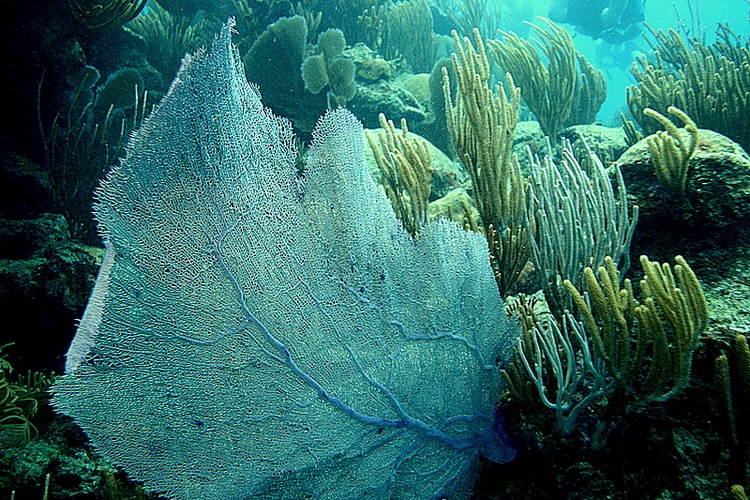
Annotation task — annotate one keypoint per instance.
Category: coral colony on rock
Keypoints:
(393, 249)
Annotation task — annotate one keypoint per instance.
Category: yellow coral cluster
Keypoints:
(559, 85)
(671, 150)
(647, 346)
(711, 83)
(481, 124)
(405, 163)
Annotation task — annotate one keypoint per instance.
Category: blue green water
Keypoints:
(616, 60)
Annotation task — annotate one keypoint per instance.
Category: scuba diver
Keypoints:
(614, 21)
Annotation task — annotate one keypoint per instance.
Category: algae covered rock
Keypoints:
(388, 98)
(607, 142)
(45, 281)
(419, 86)
(714, 209)
(373, 69)
(456, 205)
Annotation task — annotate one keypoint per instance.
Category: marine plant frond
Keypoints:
(19, 401)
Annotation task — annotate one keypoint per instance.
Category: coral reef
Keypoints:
(711, 83)
(408, 33)
(86, 137)
(616, 349)
(711, 213)
(671, 151)
(560, 86)
(575, 219)
(86, 81)
(405, 167)
(732, 381)
(481, 125)
(469, 14)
